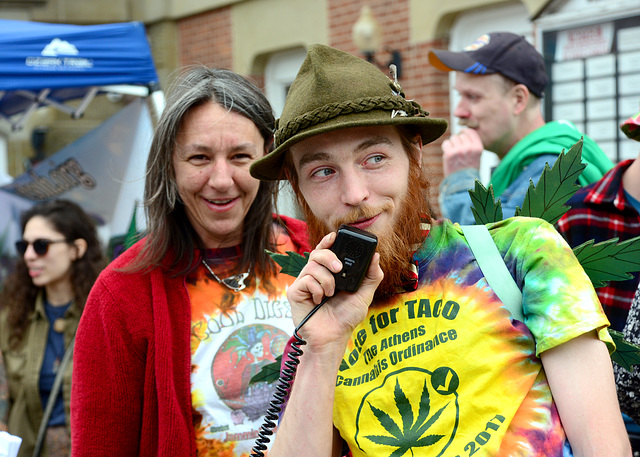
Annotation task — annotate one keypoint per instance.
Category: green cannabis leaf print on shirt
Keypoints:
(412, 433)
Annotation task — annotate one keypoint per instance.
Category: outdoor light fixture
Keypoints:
(367, 36)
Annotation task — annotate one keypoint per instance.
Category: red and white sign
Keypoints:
(582, 42)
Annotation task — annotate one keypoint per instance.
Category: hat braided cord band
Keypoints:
(333, 110)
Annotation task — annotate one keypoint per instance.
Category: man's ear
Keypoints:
(81, 247)
(521, 96)
(268, 146)
(289, 170)
(417, 143)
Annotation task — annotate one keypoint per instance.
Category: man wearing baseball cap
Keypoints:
(424, 359)
(501, 78)
(606, 209)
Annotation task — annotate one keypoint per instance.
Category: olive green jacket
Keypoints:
(23, 372)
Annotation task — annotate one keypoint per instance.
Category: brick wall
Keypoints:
(206, 39)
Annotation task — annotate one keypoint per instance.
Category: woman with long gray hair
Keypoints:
(176, 327)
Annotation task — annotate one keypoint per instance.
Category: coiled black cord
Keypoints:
(284, 383)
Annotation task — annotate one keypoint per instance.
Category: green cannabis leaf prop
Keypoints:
(133, 235)
(626, 353)
(291, 262)
(603, 262)
(411, 434)
(547, 199)
(268, 373)
(484, 207)
(608, 260)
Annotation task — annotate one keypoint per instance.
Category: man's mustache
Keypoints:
(358, 214)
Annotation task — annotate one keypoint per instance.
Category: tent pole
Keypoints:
(157, 101)
(85, 102)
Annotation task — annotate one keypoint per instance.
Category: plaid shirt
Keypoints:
(600, 211)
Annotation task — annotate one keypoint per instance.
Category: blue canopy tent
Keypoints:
(49, 64)
(65, 67)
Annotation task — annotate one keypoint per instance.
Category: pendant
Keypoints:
(236, 283)
(59, 325)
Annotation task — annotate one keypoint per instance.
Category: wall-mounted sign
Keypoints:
(594, 74)
(582, 42)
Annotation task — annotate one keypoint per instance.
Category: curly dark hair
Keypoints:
(19, 293)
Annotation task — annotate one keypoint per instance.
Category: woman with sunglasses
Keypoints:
(60, 257)
(178, 325)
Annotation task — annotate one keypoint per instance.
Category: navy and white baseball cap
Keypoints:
(499, 52)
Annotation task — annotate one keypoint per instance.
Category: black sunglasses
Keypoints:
(40, 246)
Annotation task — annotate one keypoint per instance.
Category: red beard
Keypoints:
(396, 245)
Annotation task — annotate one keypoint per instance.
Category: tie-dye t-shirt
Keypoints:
(233, 335)
(445, 371)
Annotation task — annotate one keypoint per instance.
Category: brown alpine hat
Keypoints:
(336, 90)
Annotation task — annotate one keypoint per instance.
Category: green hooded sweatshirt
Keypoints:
(551, 138)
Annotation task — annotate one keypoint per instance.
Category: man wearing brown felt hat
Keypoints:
(424, 358)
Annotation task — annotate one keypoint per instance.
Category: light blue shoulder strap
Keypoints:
(493, 268)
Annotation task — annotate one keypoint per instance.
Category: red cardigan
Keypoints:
(131, 389)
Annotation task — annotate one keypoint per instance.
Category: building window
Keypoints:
(280, 71)
(595, 80)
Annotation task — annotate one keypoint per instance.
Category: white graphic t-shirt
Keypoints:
(233, 335)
